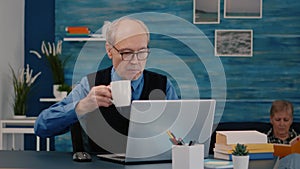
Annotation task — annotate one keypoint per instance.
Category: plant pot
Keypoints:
(59, 94)
(20, 108)
(56, 93)
(240, 162)
(63, 94)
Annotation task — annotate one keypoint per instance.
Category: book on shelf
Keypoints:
(263, 147)
(77, 30)
(241, 136)
(282, 150)
(252, 156)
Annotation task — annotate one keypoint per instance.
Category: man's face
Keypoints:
(281, 122)
(132, 69)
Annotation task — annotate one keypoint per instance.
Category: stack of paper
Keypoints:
(255, 141)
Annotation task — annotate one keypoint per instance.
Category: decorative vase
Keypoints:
(240, 162)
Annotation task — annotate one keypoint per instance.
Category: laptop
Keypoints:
(148, 141)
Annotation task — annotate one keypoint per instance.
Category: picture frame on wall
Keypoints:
(206, 11)
(242, 8)
(238, 42)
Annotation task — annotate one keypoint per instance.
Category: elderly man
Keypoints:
(126, 45)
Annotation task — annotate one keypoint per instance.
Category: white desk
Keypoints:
(19, 126)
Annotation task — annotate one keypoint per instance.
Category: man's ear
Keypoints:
(108, 50)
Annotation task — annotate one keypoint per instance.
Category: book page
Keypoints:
(295, 140)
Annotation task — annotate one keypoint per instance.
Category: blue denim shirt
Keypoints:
(58, 118)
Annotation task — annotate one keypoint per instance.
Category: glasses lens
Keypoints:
(140, 55)
(127, 55)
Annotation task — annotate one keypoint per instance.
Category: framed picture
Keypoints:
(242, 8)
(206, 11)
(234, 42)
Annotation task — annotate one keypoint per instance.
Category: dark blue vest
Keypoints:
(112, 115)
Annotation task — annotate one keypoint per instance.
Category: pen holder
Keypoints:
(188, 157)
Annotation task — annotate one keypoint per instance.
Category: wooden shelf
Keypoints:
(95, 37)
(50, 100)
(83, 39)
(18, 126)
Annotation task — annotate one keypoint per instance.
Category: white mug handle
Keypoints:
(112, 101)
(110, 91)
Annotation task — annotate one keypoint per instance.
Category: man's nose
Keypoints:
(134, 58)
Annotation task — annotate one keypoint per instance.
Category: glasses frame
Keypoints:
(134, 53)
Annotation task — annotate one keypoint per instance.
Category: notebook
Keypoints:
(147, 140)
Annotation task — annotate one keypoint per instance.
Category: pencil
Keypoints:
(171, 135)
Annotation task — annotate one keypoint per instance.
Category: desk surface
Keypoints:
(57, 160)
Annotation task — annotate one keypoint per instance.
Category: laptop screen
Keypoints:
(191, 120)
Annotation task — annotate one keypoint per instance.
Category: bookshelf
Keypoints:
(83, 39)
(12, 131)
(92, 37)
(50, 99)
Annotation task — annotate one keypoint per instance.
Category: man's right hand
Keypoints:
(99, 96)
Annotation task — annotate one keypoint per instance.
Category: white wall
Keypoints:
(11, 49)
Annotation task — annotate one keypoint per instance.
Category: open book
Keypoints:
(282, 150)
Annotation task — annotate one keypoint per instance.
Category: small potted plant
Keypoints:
(240, 157)
(23, 81)
(64, 90)
(52, 52)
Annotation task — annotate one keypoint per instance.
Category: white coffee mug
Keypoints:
(121, 92)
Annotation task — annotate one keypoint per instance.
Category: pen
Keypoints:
(180, 141)
(191, 143)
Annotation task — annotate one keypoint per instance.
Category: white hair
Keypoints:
(114, 26)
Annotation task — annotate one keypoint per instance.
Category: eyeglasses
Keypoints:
(128, 55)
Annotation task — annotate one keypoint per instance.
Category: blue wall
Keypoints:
(39, 26)
(252, 82)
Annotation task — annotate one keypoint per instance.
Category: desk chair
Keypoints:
(82, 142)
(80, 139)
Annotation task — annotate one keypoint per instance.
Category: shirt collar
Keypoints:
(114, 75)
(134, 83)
